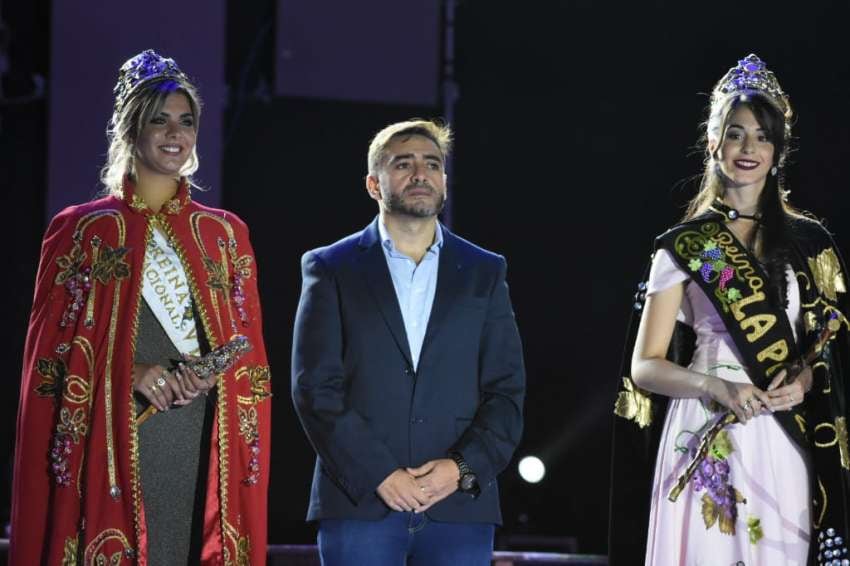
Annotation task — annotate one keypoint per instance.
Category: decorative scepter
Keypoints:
(728, 417)
(218, 361)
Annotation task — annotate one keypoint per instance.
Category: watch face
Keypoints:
(467, 482)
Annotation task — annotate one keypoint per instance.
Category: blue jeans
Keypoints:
(404, 538)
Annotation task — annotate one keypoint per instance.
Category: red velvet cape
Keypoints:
(76, 489)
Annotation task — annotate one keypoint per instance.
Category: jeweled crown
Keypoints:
(141, 69)
(751, 74)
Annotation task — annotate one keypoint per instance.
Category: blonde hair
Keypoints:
(127, 124)
(438, 133)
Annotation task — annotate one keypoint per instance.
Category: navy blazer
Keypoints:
(364, 409)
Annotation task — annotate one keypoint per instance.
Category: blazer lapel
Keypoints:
(380, 285)
(448, 277)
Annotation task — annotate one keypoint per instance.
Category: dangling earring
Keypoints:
(773, 170)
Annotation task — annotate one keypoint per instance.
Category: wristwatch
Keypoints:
(468, 482)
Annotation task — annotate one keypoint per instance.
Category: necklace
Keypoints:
(720, 207)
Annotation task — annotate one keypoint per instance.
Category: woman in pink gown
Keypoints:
(764, 463)
(760, 288)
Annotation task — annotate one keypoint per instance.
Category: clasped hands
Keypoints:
(746, 400)
(417, 489)
(163, 388)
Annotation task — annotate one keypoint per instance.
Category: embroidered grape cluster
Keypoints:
(59, 459)
(712, 260)
(239, 299)
(78, 286)
(241, 270)
(832, 551)
(254, 464)
(726, 276)
(713, 476)
(712, 254)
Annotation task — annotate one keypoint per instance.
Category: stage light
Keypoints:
(532, 469)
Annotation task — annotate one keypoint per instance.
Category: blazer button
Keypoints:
(408, 371)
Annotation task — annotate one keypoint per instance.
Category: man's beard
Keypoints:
(419, 209)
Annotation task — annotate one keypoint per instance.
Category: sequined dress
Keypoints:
(173, 452)
(765, 467)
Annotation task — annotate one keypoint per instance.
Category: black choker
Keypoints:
(720, 207)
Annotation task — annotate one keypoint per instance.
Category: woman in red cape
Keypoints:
(124, 454)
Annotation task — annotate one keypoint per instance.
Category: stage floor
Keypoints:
(307, 555)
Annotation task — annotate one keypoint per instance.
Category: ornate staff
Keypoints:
(218, 361)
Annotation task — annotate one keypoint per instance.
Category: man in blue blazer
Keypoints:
(407, 373)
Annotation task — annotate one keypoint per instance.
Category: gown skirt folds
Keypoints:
(751, 504)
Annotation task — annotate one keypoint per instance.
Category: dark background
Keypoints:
(576, 128)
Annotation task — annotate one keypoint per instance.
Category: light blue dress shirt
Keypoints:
(415, 286)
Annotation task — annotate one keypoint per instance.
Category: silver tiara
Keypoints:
(752, 75)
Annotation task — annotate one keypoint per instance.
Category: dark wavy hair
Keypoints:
(770, 241)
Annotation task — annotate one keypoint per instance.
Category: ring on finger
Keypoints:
(153, 388)
(160, 381)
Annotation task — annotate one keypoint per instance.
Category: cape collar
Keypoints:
(173, 207)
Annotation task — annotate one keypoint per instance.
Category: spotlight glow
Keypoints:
(532, 469)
